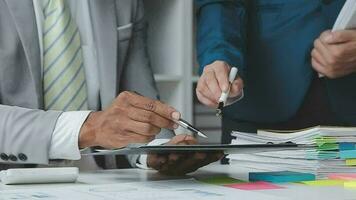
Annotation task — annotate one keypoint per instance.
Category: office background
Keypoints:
(171, 48)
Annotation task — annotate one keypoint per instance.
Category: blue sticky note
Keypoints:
(281, 177)
(345, 146)
(348, 154)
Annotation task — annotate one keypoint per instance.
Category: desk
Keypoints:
(293, 191)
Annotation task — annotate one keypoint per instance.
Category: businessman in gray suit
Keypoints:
(62, 65)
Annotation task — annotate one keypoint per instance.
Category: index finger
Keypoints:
(155, 106)
(222, 75)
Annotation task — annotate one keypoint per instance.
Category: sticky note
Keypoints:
(325, 140)
(348, 154)
(220, 180)
(344, 146)
(350, 184)
(342, 176)
(281, 177)
(350, 162)
(328, 147)
(255, 186)
(324, 182)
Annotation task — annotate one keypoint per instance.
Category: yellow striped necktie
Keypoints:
(64, 84)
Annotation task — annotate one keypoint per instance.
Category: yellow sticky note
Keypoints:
(324, 182)
(350, 184)
(351, 162)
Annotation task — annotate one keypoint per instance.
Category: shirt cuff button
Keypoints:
(12, 158)
(4, 157)
(22, 157)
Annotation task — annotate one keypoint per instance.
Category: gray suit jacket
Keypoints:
(123, 65)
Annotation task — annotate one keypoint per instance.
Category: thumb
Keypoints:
(338, 36)
(182, 138)
(236, 88)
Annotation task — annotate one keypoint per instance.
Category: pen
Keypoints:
(225, 95)
(190, 127)
(186, 125)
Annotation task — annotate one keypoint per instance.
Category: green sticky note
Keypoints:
(325, 140)
(328, 147)
(324, 182)
(220, 180)
(321, 155)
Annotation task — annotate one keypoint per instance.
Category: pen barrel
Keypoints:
(190, 127)
(192, 130)
(233, 74)
(224, 96)
(182, 124)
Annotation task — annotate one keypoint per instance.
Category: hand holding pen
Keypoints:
(214, 81)
(225, 94)
(131, 118)
(174, 117)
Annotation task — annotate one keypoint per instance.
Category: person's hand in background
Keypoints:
(214, 81)
(181, 164)
(334, 53)
(130, 119)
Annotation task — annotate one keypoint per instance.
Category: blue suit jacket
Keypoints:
(270, 41)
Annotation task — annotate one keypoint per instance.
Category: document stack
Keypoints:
(334, 152)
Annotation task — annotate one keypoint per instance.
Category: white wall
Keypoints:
(171, 48)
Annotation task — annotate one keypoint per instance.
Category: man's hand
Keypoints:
(213, 81)
(181, 164)
(130, 119)
(334, 53)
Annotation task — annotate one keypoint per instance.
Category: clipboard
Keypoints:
(225, 148)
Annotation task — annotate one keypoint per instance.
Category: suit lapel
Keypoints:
(25, 22)
(104, 27)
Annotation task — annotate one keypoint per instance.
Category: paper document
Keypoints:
(347, 17)
(153, 190)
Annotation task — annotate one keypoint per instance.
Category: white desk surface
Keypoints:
(293, 191)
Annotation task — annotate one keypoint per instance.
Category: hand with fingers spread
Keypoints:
(180, 164)
(334, 53)
(215, 80)
(130, 119)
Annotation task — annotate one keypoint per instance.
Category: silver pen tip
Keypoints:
(202, 135)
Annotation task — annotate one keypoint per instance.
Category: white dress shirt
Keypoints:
(64, 143)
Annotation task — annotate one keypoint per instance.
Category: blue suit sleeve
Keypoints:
(221, 32)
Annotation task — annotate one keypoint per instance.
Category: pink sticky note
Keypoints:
(342, 176)
(260, 185)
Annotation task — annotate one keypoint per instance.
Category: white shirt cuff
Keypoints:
(142, 160)
(64, 143)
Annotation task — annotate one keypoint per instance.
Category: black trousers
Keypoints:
(314, 111)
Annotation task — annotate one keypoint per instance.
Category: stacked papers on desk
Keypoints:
(334, 146)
